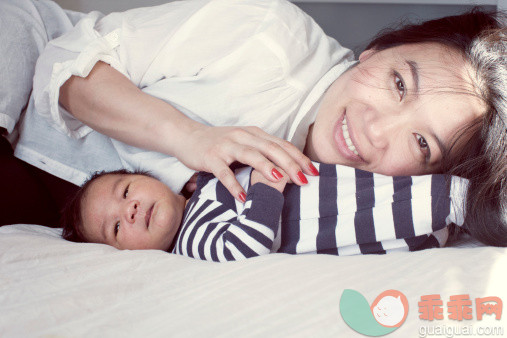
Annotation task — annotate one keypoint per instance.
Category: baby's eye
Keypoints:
(116, 228)
(126, 192)
(400, 85)
(421, 141)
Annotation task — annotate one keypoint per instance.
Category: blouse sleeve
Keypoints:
(127, 41)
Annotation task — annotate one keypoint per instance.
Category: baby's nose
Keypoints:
(131, 211)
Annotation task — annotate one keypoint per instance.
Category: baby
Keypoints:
(129, 210)
(137, 211)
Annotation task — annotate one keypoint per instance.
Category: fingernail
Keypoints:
(302, 177)
(314, 170)
(242, 196)
(276, 174)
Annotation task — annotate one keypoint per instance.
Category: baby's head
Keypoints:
(123, 209)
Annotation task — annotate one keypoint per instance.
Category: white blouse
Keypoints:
(258, 63)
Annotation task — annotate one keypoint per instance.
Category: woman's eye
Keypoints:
(126, 192)
(421, 141)
(116, 228)
(400, 85)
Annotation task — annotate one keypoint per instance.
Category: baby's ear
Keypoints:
(366, 55)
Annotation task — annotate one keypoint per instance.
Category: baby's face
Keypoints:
(131, 212)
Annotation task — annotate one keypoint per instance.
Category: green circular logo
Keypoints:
(387, 312)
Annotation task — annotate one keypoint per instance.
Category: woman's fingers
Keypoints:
(271, 150)
(299, 157)
(213, 149)
(258, 177)
(225, 175)
(272, 164)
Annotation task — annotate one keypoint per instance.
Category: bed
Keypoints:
(52, 288)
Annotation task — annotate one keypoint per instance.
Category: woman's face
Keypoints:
(396, 111)
(131, 212)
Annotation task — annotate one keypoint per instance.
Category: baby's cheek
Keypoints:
(162, 216)
(166, 220)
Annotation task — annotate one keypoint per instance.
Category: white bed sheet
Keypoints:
(51, 287)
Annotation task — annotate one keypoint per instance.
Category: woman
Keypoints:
(382, 115)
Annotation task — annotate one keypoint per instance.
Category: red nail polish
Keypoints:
(314, 170)
(242, 196)
(302, 177)
(276, 174)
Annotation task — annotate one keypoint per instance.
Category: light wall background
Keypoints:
(352, 24)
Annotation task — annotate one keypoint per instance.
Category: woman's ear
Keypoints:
(366, 55)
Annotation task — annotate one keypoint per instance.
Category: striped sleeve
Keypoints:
(347, 211)
(213, 229)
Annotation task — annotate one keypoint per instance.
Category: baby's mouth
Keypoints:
(147, 217)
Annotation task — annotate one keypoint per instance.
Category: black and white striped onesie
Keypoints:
(344, 211)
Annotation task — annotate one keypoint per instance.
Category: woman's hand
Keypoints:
(214, 149)
(258, 177)
(108, 102)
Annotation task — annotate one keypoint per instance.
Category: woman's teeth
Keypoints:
(346, 136)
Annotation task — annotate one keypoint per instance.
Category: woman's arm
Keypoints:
(110, 103)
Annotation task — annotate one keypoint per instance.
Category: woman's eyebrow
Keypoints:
(414, 70)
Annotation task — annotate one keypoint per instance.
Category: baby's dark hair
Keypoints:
(71, 219)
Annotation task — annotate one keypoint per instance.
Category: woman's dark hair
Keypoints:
(478, 152)
(72, 220)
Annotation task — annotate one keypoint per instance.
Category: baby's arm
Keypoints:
(214, 229)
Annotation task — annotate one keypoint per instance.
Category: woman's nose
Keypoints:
(381, 128)
(131, 210)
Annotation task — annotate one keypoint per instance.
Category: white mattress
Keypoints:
(50, 287)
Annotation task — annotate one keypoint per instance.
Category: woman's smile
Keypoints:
(345, 141)
(387, 114)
